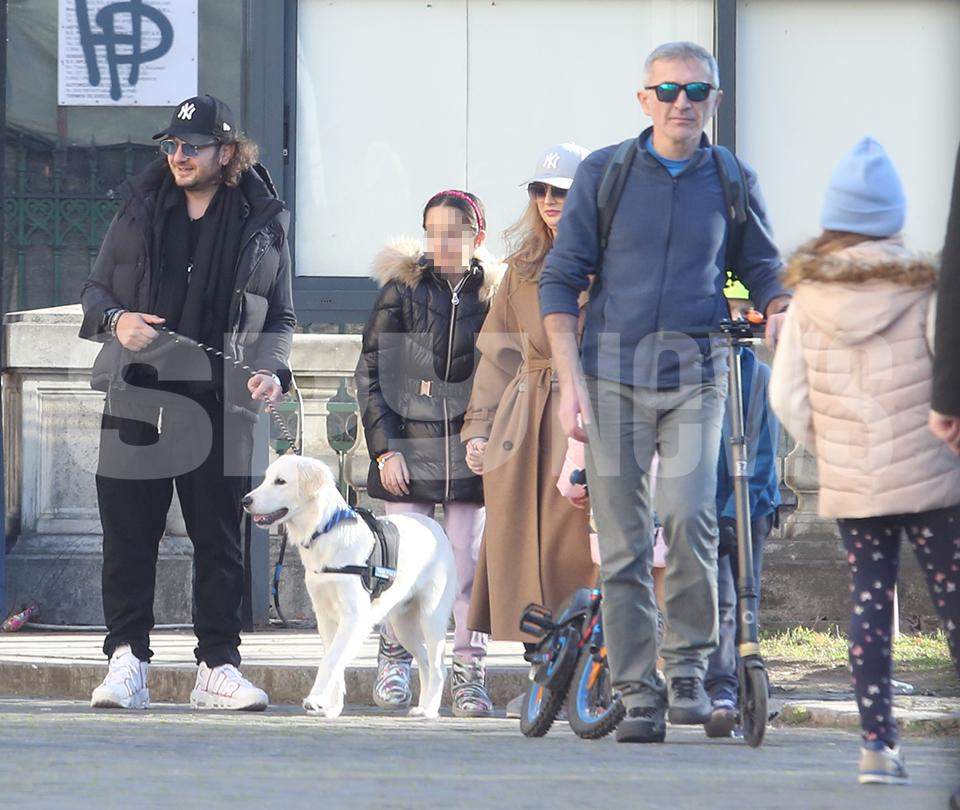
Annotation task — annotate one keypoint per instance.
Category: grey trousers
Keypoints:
(684, 426)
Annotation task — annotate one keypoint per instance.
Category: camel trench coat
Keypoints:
(535, 543)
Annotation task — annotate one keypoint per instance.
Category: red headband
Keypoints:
(460, 195)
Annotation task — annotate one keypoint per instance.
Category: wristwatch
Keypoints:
(108, 323)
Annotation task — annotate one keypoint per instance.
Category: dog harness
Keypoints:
(380, 570)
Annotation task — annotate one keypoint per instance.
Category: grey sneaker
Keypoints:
(689, 704)
(392, 687)
(881, 765)
(468, 689)
(642, 724)
(723, 719)
(515, 706)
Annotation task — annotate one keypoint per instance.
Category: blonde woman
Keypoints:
(535, 544)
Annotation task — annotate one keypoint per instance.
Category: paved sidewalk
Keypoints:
(70, 665)
(56, 754)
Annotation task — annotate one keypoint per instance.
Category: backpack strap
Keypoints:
(733, 181)
(611, 189)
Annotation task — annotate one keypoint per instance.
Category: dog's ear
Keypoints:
(311, 477)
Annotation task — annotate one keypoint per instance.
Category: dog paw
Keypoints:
(426, 714)
(314, 706)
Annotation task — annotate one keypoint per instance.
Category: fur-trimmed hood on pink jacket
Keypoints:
(852, 380)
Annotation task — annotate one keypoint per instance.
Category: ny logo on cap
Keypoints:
(551, 161)
(187, 111)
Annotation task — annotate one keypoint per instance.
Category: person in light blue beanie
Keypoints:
(865, 194)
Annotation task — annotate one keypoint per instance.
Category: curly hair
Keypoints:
(245, 156)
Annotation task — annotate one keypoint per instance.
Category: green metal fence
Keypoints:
(58, 202)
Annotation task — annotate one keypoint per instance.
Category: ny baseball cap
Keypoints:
(201, 117)
(557, 165)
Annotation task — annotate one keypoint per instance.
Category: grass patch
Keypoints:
(828, 648)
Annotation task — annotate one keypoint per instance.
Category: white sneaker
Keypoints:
(223, 687)
(125, 686)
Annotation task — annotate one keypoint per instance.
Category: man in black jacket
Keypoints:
(945, 414)
(198, 247)
(945, 406)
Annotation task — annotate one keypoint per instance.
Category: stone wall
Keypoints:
(51, 419)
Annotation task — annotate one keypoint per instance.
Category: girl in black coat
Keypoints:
(413, 380)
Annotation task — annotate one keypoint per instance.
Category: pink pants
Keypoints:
(463, 523)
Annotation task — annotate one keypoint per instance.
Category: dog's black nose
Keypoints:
(247, 500)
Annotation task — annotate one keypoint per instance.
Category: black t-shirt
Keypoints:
(180, 237)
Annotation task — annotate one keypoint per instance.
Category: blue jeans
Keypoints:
(721, 680)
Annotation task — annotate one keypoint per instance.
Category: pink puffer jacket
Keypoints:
(852, 380)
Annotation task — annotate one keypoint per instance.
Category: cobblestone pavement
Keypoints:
(63, 754)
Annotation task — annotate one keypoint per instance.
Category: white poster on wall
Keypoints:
(139, 52)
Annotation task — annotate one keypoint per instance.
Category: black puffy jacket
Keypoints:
(261, 319)
(416, 371)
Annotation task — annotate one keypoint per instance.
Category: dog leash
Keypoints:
(179, 339)
(293, 447)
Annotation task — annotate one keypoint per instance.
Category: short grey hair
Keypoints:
(684, 51)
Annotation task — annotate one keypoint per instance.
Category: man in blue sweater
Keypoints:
(644, 387)
(762, 433)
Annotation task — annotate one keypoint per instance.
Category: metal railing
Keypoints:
(58, 203)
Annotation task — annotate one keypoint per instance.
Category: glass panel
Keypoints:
(399, 99)
(64, 164)
(807, 92)
(32, 77)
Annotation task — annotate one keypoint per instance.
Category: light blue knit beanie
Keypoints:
(865, 194)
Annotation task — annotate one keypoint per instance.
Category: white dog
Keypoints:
(301, 493)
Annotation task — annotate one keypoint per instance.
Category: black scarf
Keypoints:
(196, 306)
(201, 303)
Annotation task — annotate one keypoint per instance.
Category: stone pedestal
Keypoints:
(51, 435)
(51, 439)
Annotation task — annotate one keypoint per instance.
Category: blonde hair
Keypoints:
(246, 153)
(528, 242)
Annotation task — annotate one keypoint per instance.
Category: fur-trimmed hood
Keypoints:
(880, 260)
(861, 290)
(402, 260)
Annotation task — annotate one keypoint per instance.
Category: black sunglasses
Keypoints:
(169, 147)
(538, 191)
(670, 91)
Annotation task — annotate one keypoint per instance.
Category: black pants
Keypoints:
(207, 454)
(873, 551)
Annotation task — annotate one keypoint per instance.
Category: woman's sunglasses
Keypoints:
(538, 191)
(670, 91)
(169, 147)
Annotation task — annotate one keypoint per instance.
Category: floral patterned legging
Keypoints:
(873, 551)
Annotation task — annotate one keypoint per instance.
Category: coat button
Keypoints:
(508, 445)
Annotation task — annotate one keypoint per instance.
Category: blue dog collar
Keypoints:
(335, 520)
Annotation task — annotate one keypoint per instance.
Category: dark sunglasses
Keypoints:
(670, 91)
(538, 191)
(169, 147)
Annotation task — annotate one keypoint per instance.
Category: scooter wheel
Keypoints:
(593, 708)
(542, 703)
(754, 687)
